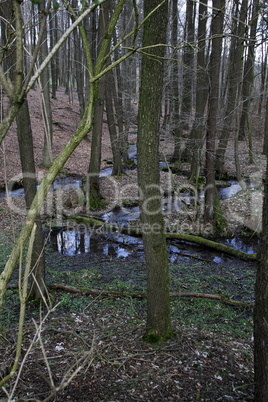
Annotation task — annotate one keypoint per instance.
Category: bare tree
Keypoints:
(214, 71)
(24, 134)
(234, 77)
(45, 92)
(82, 130)
(158, 307)
(196, 137)
(261, 308)
(248, 77)
(93, 192)
(78, 62)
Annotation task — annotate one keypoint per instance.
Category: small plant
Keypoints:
(130, 203)
(199, 181)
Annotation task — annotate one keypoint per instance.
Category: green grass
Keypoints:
(207, 314)
(234, 281)
(212, 316)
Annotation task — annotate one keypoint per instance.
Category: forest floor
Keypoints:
(210, 359)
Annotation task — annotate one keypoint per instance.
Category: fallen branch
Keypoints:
(99, 225)
(212, 244)
(96, 292)
(142, 295)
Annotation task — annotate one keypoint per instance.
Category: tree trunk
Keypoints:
(158, 307)
(183, 121)
(25, 140)
(214, 70)
(67, 62)
(118, 102)
(188, 61)
(24, 134)
(126, 72)
(78, 64)
(6, 14)
(83, 128)
(261, 309)
(264, 58)
(167, 102)
(196, 137)
(176, 124)
(109, 92)
(46, 106)
(53, 24)
(265, 144)
(233, 81)
(92, 191)
(249, 71)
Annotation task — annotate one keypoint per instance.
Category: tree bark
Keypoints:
(176, 124)
(45, 90)
(261, 308)
(53, 24)
(264, 62)
(196, 138)
(126, 71)
(92, 191)
(24, 134)
(249, 71)
(158, 307)
(183, 118)
(78, 63)
(118, 102)
(25, 140)
(188, 61)
(83, 128)
(265, 144)
(115, 143)
(233, 81)
(214, 71)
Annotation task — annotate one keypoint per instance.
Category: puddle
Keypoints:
(73, 242)
(249, 246)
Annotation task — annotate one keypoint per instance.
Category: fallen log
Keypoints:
(134, 231)
(212, 244)
(142, 295)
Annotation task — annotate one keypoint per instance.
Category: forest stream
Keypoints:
(75, 241)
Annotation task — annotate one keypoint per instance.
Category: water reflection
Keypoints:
(116, 245)
(74, 242)
(249, 246)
